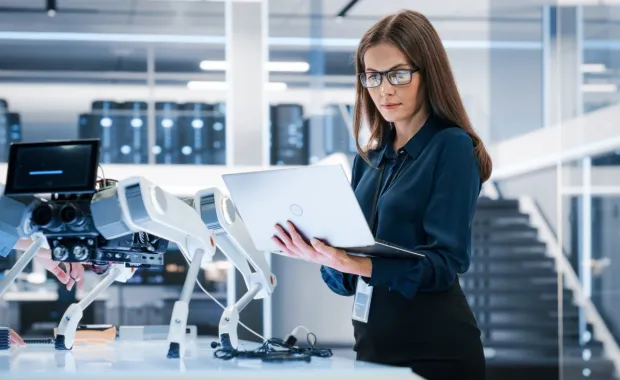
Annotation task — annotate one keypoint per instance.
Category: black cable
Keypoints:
(275, 345)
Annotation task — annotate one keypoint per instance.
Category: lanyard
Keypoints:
(375, 211)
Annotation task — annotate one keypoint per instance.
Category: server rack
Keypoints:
(216, 134)
(133, 133)
(289, 135)
(337, 137)
(10, 131)
(193, 133)
(167, 149)
(106, 120)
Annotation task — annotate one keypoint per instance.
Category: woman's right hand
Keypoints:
(73, 274)
(15, 339)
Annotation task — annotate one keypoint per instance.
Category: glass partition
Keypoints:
(588, 189)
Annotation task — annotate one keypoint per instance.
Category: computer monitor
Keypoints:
(62, 167)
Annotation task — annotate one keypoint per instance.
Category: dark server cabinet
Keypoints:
(89, 126)
(289, 135)
(193, 128)
(107, 120)
(337, 137)
(167, 148)
(133, 133)
(216, 134)
(10, 132)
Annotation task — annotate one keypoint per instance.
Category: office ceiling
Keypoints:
(460, 21)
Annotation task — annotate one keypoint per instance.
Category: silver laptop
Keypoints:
(318, 199)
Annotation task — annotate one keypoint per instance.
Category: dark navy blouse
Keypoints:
(433, 184)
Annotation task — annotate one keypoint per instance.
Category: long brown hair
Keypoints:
(415, 36)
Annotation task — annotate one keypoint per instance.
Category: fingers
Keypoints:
(15, 339)
(74, 273)
(78, 273)
(72, 270)
(283, 236)
(285, 250)
(293, 242)
(297, 239)
(60, 274)
(323, 248)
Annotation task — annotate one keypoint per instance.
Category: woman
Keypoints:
(417, 186)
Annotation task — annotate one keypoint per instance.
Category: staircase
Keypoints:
(512, 287)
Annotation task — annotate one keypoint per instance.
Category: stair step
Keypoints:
(594, 348)
(549, 301)
(492, 217)
(545, 284)
(503, 233)
(540, 257)
(568, 325)
(505, 241)
(493, 204)
(530, 292)
(521, 266)
(513, 313)
(497, 282)
(495, 249)
(518, 337)
(540, 348)
(529, 274)
(493, 359)
(503, 228)
(502, 368)
(492, 297)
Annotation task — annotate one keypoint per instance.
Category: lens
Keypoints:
(43, 215)
(399, 77)
(70, 214)
(370, 80)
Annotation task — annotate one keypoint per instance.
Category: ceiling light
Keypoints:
(593, 68)
(603, 87)
(300, 67)
(207, 85)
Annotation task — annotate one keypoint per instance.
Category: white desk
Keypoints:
(147, 360)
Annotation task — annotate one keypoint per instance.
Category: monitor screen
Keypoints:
(53, 167)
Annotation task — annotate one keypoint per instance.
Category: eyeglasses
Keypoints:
(395, 77)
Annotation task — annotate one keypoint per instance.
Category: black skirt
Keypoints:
(435, 334)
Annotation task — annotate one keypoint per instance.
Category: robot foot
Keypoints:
(59, 344)
(174, 351)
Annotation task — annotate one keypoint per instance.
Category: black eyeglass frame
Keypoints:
(385, 74)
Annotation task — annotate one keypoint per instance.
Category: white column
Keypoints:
(564, 41)
(247, 110)
(247, 123)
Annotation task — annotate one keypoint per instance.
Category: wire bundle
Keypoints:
(276, 345)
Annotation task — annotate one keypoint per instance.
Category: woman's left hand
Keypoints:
(293, 245)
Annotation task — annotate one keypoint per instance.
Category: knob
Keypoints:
(60, 253)
(80, 253)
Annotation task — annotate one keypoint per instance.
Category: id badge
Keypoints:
(361, 304)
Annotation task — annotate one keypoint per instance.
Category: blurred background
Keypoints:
(176, 89)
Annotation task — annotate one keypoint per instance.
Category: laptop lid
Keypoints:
(318, 199)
